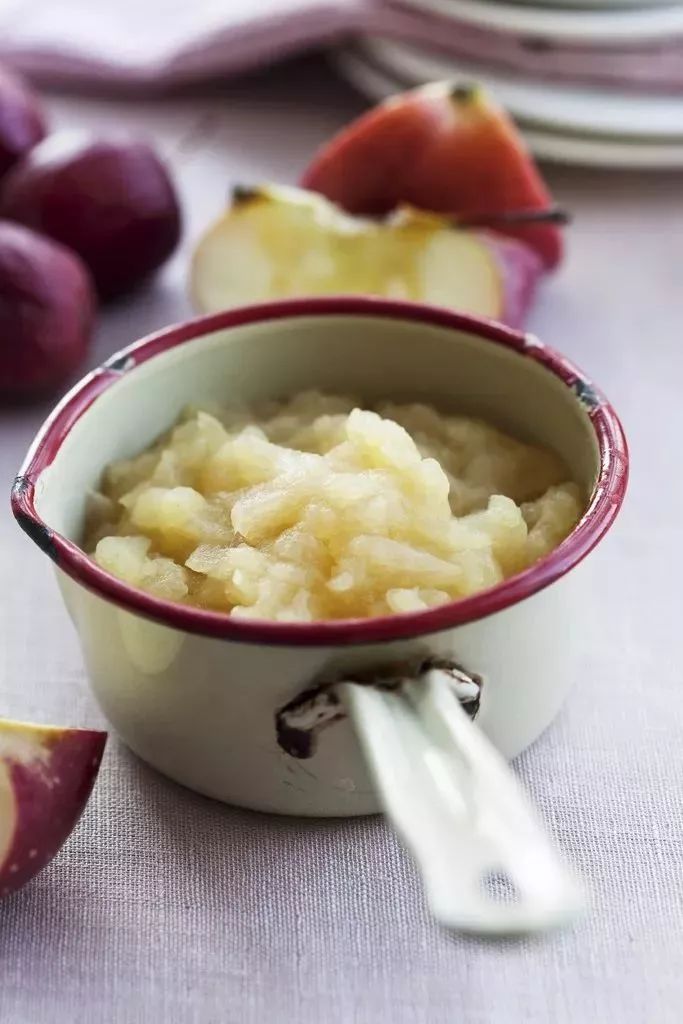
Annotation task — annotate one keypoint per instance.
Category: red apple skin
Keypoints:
(22, 123)
(521, 269)
(42, 798)
(442, 148)
(112, 202)
(47, 307)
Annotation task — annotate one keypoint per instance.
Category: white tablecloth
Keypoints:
(165, 907)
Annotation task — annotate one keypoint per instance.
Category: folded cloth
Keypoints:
(158, 43)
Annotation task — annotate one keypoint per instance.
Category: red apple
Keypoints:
(444, 148)
(112, 202)
(47, 307)
(519, 268)
(276, 242)
(46, 776)
(22, 124)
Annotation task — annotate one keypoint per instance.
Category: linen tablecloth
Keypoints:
(165, 907)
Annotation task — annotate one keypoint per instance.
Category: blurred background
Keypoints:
(592, 82)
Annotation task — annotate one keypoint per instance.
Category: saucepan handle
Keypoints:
(487, 864)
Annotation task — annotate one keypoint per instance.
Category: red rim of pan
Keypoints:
(603, 507)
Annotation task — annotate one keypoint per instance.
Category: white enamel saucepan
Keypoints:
(344, 718)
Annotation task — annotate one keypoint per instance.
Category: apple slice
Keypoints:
(443, 147)
(46, 776)
(277, 241)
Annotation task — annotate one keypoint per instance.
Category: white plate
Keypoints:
(589, 4)
(572, 108)
(592, 4)
(577, 150)
(608, 153)
(592, 26)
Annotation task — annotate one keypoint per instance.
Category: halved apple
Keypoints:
(446, 147)
(277, 242)
(46, 776)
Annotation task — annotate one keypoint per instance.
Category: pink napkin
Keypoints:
(157, 43)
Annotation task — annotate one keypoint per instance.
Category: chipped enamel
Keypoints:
(202, 707)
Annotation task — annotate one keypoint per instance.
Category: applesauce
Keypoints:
(316, 508)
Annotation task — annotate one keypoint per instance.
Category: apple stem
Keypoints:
(551, 215)
(243, 194)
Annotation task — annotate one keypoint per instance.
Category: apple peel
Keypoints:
(445, 147)
(22, 120)
(46, 777)
(521, 269)
(277, 242)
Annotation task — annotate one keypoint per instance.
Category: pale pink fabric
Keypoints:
(165, 42)
(161, 43)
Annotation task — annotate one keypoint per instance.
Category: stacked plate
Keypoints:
(593, 82)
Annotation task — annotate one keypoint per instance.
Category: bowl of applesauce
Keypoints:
(261, 514)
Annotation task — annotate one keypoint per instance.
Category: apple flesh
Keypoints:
(445, 148)
(22, 123)
(47, 306)
(112, 202)
(277, 242)
(46, 777)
